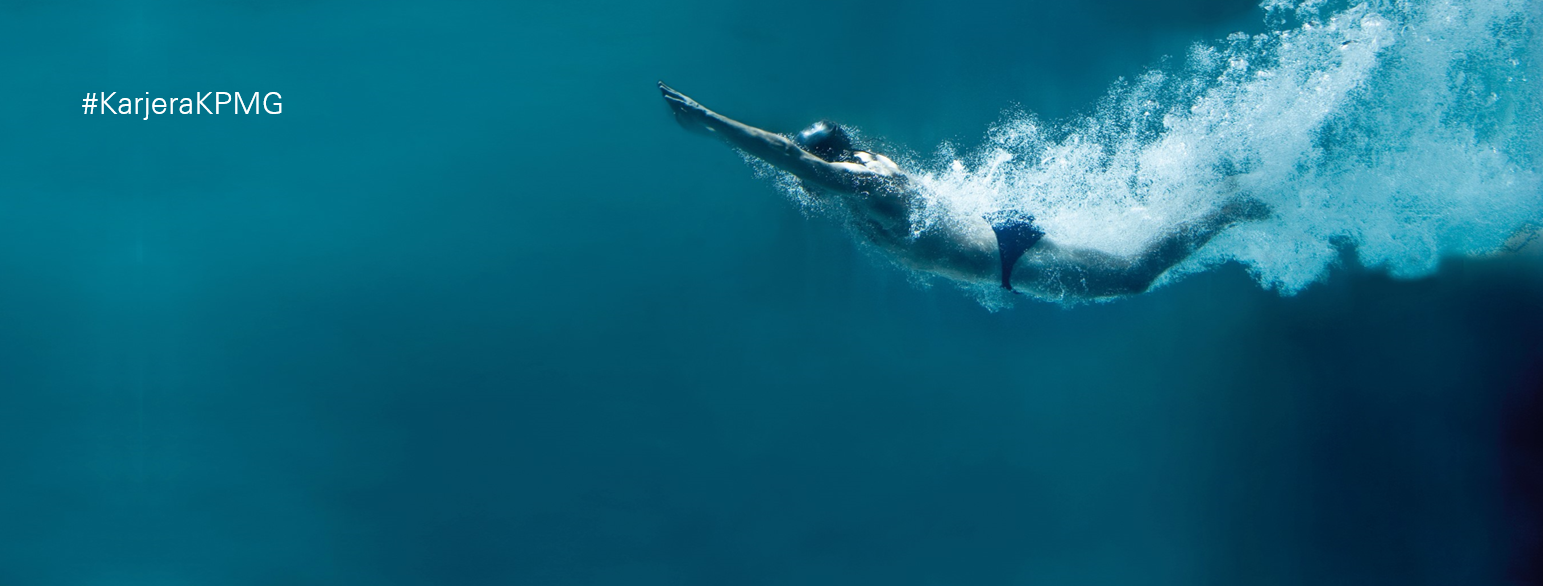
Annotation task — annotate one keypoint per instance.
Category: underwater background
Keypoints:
(474, 310)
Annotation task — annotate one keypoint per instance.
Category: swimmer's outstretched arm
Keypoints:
(772, 148)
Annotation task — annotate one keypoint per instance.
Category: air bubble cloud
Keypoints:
(1407, 130)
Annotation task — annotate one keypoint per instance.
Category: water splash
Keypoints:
(1406, 129)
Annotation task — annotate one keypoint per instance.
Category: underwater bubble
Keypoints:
(1407, 130)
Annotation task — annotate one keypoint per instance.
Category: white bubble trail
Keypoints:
(1407, 129)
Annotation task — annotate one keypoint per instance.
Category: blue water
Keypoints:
(474, 310)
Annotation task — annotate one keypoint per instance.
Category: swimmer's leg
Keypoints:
(1184, 239)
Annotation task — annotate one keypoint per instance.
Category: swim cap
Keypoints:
(825, 139)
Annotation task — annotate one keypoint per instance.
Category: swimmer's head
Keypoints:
(826, 140)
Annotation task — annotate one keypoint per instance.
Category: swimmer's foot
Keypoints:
(1245, 209)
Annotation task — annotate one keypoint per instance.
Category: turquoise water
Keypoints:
(474, 310)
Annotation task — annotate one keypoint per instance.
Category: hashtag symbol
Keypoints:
(90, 103)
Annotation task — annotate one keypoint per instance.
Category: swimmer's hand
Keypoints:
(688, 113)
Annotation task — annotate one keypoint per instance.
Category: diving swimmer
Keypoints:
(1003, 248)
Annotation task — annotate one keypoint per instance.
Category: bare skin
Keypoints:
(880, 197)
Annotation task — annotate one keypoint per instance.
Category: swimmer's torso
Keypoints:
(962, 248)
(882, 191)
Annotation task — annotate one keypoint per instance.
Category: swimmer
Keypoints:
(1003, 248)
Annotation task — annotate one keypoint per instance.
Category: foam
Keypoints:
(1408, 130)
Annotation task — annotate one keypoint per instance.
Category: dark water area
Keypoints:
(474, 310)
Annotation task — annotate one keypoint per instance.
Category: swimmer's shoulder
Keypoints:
(867, 163)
